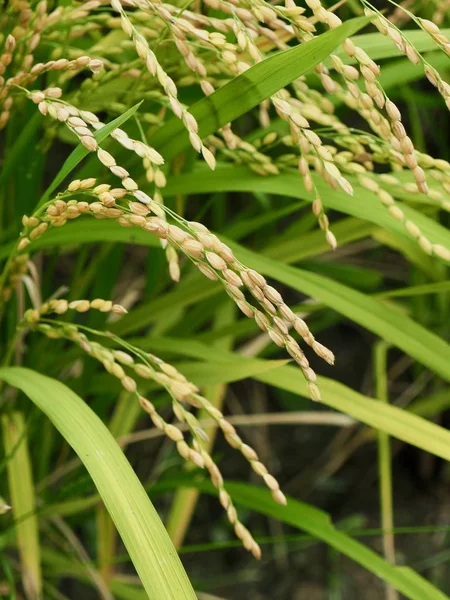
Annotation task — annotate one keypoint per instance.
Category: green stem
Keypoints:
(8, 359)
(385, 463)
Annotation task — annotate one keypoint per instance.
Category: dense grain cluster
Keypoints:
(212, 257)
(124, 366)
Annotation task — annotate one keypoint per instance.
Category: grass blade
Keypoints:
(395, 421)
(80, 151)
(399, 423)
(21, 489)
(391, 325)
(252, 87)
(318, 523)
(379, 46)
(15, 154)
(138, 523)
(363, 204)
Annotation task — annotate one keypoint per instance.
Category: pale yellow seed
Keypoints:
(103, 187)
(279, 497)
(98, 303)
(178, 234)
(196, 458)
(60, 307)
(38, 231)
(24, 242)
(323, 352)
(173, 433)
(256, 278)
(129, 384)
(193, 248)
(301, 327)
(271, 482)
(207, 271)
(107, 306)
(89, 143)
(412, 229)
(143, 371)
(272, 295)
(396, 213)
(216, 261)
(123, 357)
(425, 244)
(116, 370)
(441, 251)
(276, 337)
(314, 392)
(129, 184)
(80, 305)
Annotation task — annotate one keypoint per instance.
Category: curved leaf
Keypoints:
(379, 46)
(21, 489)
(318, 523)
(399, 423)
(363, 204)
(138, 523)
(252, 87)
(88, 231)
(81, 152)
(374, 315)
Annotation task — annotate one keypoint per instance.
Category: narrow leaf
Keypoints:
(22, 499)
(391, 325)
(379, 46)
(318, 523)
(138, 523)
(363, 204)
(80, 151)
(252, 87)
(399, 423)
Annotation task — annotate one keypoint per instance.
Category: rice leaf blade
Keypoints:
(81, 152)
(138, 523)
(252, 87)
(21, 487)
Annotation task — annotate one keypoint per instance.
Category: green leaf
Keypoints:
(318, 523)
(138, 523)
(402, 71)
(252, 87)
(379, 46)
(85, 231)
(60, 566)
(419, 290)
(15, 154)
(88, 231)
(410, 249)
(188, 292)
(210, 373)
(363, 204)
(399, 423)
(217, 372)
(21, 489)
(80, 151)
(301, 246)
(374, 315)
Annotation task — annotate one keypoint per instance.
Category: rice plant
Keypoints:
(153, 157)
